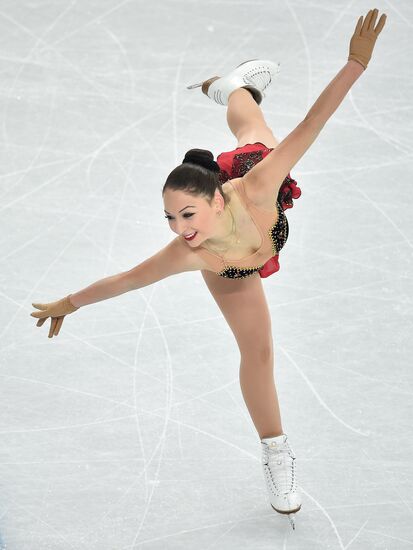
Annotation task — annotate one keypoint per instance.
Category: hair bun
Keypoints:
(202, 157)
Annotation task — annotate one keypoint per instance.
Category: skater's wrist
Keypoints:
(356, 66)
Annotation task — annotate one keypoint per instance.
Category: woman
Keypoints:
(231, 228)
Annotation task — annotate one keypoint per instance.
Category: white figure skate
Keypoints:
(279, 472)
(254, 75)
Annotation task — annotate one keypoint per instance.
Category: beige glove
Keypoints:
(55, 310)
(365, 36)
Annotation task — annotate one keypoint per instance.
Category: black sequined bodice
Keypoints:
(235, 164)
(278, 235)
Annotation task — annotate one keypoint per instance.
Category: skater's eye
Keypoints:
(185, 216)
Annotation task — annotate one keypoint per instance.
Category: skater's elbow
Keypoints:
(315, 122)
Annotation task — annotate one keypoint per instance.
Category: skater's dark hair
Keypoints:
(197, 175)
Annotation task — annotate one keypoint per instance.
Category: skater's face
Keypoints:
(189, 214)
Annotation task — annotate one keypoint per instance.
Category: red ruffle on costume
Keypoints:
(236, 163)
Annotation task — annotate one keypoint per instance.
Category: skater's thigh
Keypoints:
(258, 133)
(244, 306)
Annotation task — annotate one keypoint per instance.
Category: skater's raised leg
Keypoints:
(246, 120)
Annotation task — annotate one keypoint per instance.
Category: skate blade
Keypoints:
(290, 514)
(285, 512)
(243, 63)
(192, 86)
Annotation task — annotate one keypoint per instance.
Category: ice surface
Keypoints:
(129, 430)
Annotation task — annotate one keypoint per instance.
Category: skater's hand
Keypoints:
(55, 310)
(365, 36)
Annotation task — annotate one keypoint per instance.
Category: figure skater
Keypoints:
(230, 221)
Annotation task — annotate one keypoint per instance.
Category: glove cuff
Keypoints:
(352, 57)
(68, 304)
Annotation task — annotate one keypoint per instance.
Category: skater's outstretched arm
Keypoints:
(264, 180)
(174, 258)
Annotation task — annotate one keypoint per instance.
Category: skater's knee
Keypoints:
(257, 356)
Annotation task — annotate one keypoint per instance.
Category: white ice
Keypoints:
(129, 430)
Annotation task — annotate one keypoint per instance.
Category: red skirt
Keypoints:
(236, 163)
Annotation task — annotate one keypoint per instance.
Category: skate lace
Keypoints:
(261, 78)
(281, 468)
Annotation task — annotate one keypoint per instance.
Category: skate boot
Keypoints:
(254, 75)
(279, 472)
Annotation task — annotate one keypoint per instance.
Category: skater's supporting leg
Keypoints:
(243, 303)
(246, 120)
(260, 395)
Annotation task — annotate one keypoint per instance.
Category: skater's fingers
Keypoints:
(40, 314)
(58, 325)
(380, 24)
(373, 19)
(40, 306)
(52, 326)
(366, 23)
(41, 322)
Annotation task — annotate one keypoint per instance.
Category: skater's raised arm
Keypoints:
(174, 258)
(265, 179)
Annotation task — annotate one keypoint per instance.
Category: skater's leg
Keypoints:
(243, 304)
(260, 395)
(244, 307)
(246, 120)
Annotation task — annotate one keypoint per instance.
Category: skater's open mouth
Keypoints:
(190, 236)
